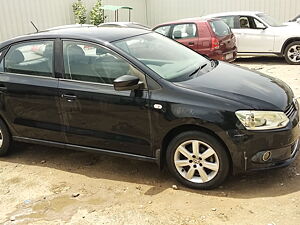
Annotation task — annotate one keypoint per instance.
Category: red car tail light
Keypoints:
(215, 43)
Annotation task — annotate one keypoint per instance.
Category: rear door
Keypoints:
(187, 34)
(95, 115)
(29, 91)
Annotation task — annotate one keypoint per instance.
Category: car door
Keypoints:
(254, 36)
(29, 91)
(95, 114)
(187, 34)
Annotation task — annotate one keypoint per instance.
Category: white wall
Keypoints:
(165, 10)
(15, 15)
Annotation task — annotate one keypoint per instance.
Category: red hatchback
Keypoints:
(211, 37)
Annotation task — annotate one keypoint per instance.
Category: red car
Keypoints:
(211, 37)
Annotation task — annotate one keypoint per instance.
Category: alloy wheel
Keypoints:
(196, 161)
(293, 53)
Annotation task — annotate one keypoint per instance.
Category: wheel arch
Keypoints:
(287, 42)
(189, 127)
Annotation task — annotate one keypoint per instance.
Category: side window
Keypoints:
(181, 31)
(258, 24)
(1, 63)
(92, 63)
(231, 21)
(244, 22)
(30, 58)
(164, 30)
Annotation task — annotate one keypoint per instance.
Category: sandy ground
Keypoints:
(41, 185)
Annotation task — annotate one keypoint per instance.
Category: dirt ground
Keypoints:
(41, 185)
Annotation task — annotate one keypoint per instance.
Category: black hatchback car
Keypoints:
(137, 94)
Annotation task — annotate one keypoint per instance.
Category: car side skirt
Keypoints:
(86, 149)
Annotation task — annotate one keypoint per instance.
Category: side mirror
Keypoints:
(126, 82)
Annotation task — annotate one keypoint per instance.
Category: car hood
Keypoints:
(256, 90)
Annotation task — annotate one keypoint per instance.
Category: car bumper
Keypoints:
(229, 56)
(249, 147)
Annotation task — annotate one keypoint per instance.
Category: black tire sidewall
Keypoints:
(4, 149)
(210, 140)
(286, 51)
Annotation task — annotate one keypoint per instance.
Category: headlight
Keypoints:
(262, 120)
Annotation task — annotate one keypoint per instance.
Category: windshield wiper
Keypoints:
(198, 69)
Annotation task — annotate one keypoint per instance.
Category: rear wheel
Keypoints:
(4, 139)
(197, 160)
(292, 53)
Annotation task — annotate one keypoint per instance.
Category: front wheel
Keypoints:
(4, 139)
(197, 160)
(292, 53)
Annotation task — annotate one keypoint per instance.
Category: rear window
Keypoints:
(220, 28)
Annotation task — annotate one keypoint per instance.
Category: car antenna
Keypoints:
(37, 30)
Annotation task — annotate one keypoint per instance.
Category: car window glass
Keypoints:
(230, 21)
(1, 63)
(30, 58)
(258, 24)
(181, 31)
(164, 30)
(244, 22)
(92, 63)
(220, 28)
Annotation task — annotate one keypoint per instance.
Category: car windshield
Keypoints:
(269, 20)
(169, 59)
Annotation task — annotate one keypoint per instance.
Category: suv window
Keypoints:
(164, 30)
(188, 30)
(220, 28)
(231, 21)
(92, 63)
(244, 22)
(30, 58)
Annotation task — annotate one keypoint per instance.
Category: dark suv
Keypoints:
(211, 37)
(137, 94)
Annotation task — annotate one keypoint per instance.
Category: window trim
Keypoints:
(102, 46)
(7, 48)
(183, 23)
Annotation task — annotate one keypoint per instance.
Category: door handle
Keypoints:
(69, 98)
(191, 43)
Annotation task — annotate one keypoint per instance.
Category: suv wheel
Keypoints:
(292, 53)
(4, 139)
(197, 160)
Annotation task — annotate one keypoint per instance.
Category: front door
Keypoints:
(95, 114)
(29, 91)
(253, 36)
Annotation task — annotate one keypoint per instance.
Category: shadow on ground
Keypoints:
(263, 184)
(261, 60)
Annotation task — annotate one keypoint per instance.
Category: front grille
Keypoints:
(290, 110)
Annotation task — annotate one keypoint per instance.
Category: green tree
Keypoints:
(79, 11)
(97, 14)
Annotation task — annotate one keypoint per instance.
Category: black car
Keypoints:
(137, 94)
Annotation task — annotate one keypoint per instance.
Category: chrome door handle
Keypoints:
(69, 97)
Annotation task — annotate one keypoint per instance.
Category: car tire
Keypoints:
(292, 53)
(5, 139)
(202, 167)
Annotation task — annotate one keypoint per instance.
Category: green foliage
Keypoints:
(97, 14)
(79, 11)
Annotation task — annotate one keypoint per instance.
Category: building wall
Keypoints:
(15, 15)
(160, 11)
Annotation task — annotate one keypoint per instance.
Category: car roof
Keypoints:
(233, 13)
(187, 20)
(91, 33)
